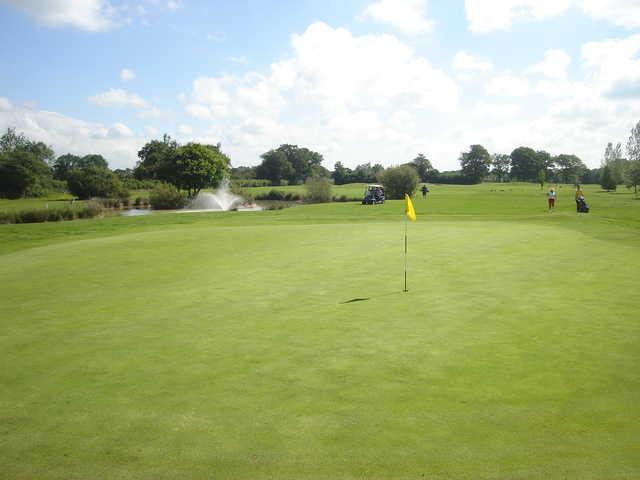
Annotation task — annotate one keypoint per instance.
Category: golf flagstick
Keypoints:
(410, 213)
(405, 254)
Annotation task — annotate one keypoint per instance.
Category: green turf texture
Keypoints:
(279, 344)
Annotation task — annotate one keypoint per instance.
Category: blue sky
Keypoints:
(358, 81)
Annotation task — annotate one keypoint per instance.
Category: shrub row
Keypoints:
(280, 195)
(251, 182)
(345, 198)
(36, 215)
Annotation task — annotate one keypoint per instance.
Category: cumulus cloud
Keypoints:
(508, 86)
(406, 16)
(5, 104)
(614, 66)
(126, 75)
(554, 64)
(492, 15)
(90, 15)
(468, 66)
(332, 94)
(117, 143)
(117, 97)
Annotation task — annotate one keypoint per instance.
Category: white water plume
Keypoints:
(220, 200)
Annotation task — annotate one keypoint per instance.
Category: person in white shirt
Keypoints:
(551, 198)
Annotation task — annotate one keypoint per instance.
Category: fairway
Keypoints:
(280, 344)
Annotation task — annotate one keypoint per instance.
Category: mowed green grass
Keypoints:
(280, 345)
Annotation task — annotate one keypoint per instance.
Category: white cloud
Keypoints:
(126, 75)
(66, 134)
(174, 4)
(198, 111)
(554, 65)
(508, 86)
(116, 97)
(5, 104)
(493, 15)
(332, 95)
(407, 16)
(90, 15)
(185, 130)
(468, 66)
(119, 130)
(625, 13)
(613, 66)
(151, 131)
(241, 60)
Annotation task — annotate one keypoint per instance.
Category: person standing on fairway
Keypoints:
(425, 190)
(551, 198)
(579, 197)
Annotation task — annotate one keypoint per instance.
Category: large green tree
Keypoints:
(475, 163)
(526, 164)
(24, 166)
(275, 167)
(95, 181)
(500, 163)
(292, 163)
(157, 161)
(569, 168)
(200, 166)
(423, 167)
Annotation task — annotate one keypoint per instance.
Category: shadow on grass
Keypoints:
(364, 299)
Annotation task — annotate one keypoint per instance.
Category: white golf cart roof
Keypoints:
(374, 185)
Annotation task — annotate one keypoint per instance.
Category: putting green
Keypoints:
(272, 346)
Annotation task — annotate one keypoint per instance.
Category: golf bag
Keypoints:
(582, 205)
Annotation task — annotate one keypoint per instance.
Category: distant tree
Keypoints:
(275, 167)
(423, 167)
(157, 161)
(95, 181)
(341, 174)
(63, 165)
(632, 175)
(569, 168)
(92, 160)
(399, 180)
(524, 164)
(633, 144)
(632, 171)
(24, 166)
(243, 173)
(542, 176)
(302, 163)
(500, 163)
(607, 182)
(475, 163)
(200, 166)
(613, 159)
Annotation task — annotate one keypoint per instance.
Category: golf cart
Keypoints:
(373, 195)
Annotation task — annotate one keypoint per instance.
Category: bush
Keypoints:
(56, 214)
(399, 180)
(252, 182)
(141, 202)
(318, 190)
(280, 196)
(167, 197)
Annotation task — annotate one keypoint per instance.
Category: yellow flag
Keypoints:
(408, 204)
